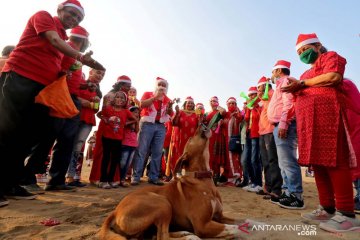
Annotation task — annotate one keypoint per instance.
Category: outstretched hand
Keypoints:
(89, 61)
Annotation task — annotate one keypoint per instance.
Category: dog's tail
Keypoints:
(106, 233)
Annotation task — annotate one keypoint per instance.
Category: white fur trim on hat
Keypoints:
(124, 81)
(251, 92)
(307, 41)
(75, 6)
(279, 66)
(77, 35)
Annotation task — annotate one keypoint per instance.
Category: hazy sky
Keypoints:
(202, 47)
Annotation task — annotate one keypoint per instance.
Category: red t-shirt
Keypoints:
(34, 57)
(87, 115)
(114, 128)
(76, 76)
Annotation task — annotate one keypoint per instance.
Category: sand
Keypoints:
(81, 214)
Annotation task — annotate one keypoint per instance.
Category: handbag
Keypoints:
(235, 144)
(57, 97)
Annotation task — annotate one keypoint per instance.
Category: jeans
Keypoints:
(151, 137)
(250, 161)
(127, 155)
(80, 139)
(269, 158)
(290, 169)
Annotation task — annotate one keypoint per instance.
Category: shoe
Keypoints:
(318, 215)
(114, 184)
(34, 188)
(124, 184)
(262, 192)
(156, 182)
(61, 187)
(134, 183)
(255, 189)
(276, 199)
(76, 183)
(246, 188)
(340, 223)
(3, 201)
(241, 184)
(104, 185)
(20, 193)
(292, 203)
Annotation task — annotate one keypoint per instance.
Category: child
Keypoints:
(114, 117)
(129, 144)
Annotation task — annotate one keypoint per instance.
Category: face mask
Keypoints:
(309, 56)
(232, 108)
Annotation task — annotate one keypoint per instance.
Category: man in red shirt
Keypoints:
(34, 63)
(156, 107)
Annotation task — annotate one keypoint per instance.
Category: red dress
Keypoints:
(320, 117)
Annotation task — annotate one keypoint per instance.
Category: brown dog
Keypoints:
(190, 203)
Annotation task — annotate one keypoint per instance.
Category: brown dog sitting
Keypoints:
(190, 203)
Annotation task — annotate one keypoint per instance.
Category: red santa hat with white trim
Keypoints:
(282, 64)
(123, 79)
(231, 100)
(262, 81)
(72, 3)
(214, 98)
(79, 32)
(189, 99)
(252, 90)
(199, 105)
(305, 39)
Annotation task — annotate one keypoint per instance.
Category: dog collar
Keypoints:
(200, 174)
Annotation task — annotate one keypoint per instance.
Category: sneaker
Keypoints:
(134, 183)
(61, 187)
(114, 184)
(124, 184)
(292, 203)
(156, 182)
(3, 201)
(246, 188)
(318, 215)
(20, 193)
(241, 184)
(76, 183)
(255, 189)
(104, 185)
(34, 188)
(340, 223)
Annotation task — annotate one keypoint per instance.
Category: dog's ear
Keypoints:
(179, 163)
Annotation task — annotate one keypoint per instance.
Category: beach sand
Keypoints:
(81, 214)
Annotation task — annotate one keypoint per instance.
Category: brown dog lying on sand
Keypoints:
(190, 203)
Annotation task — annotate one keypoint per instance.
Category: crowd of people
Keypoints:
(258, 146)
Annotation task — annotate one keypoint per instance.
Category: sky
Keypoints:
(203, 48)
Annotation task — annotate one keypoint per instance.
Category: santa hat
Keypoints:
(231, 100)
(199, 105)
(282, 64)
(189, 99)
(214, 98)
(73, 3)
(252, 90)
(121, 92)
(304, 39)
(123, 79)
(159, 79)
(262, 81)
(79, 32)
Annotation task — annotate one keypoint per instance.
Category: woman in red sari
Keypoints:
(186, 121)
(322, 128)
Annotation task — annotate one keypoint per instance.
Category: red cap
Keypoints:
(282, 64)
(189, 99)
(305, 39)
(214, 98)
(124, 79)
(252, 90)
(263, 80)
(231, 99)
(75, 4)
(80, 32)
(199, 105)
